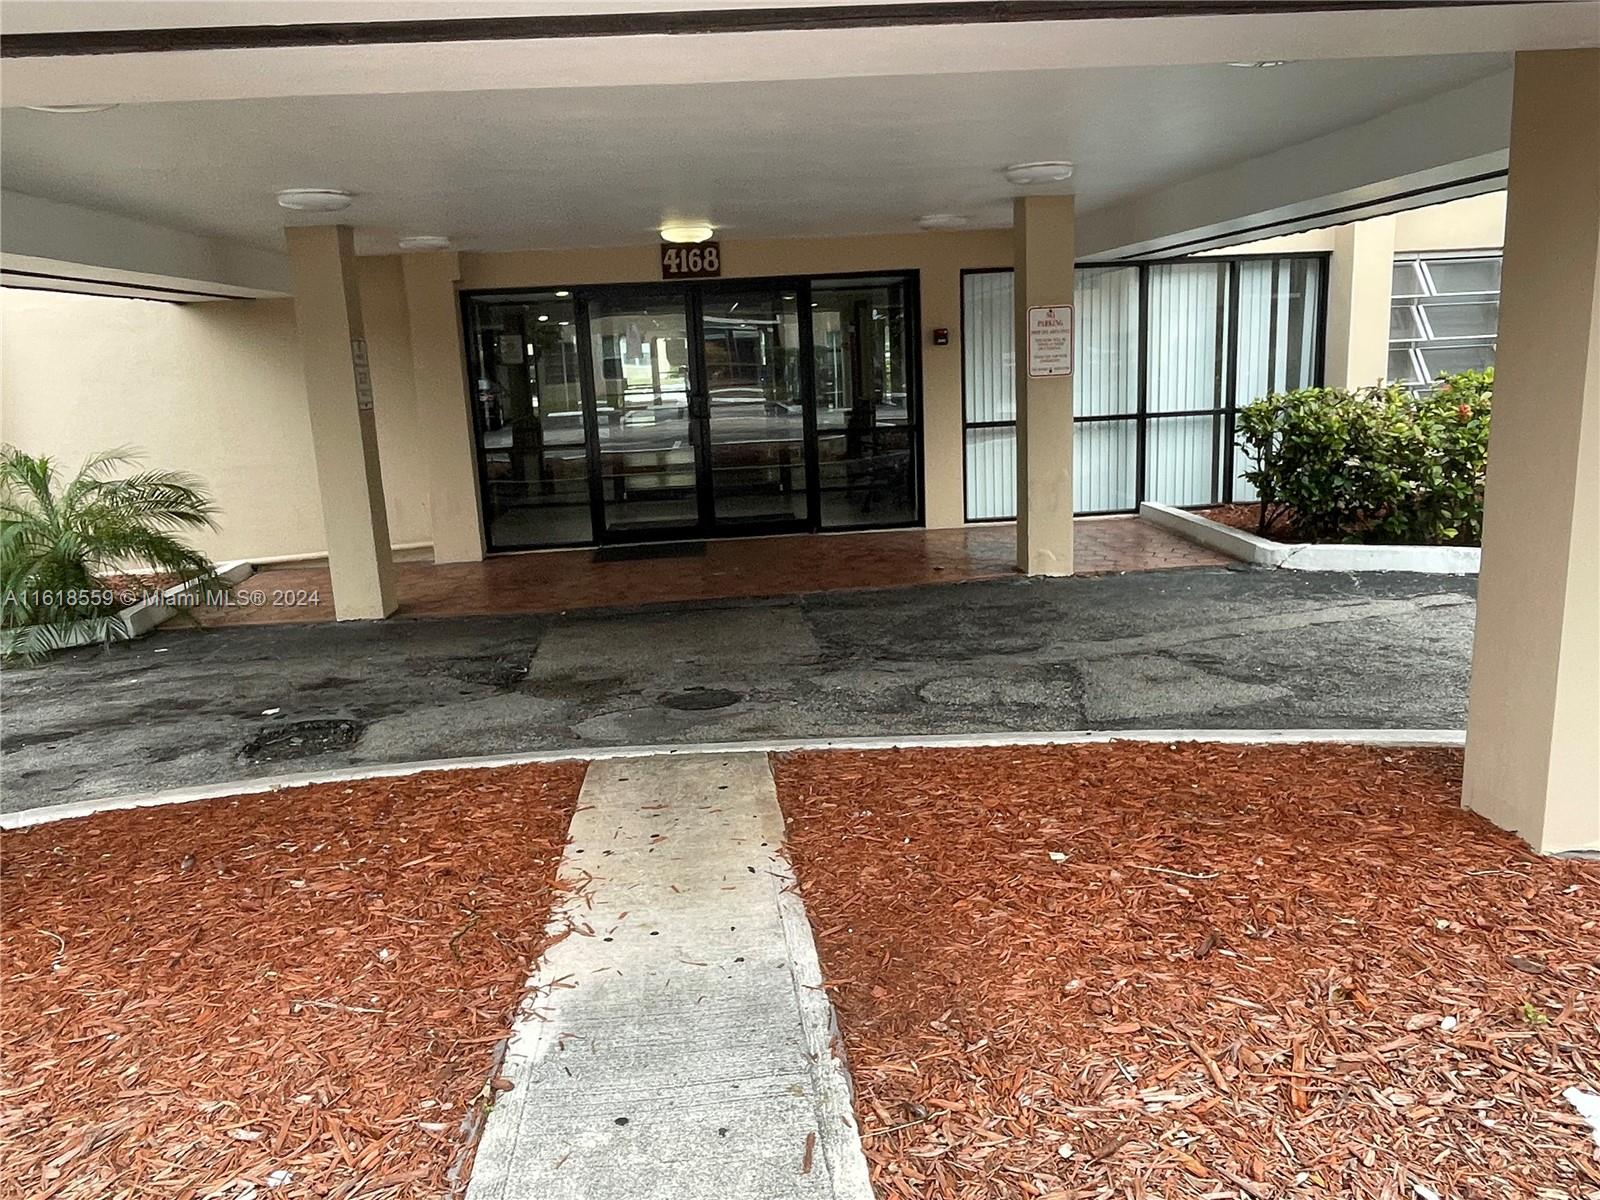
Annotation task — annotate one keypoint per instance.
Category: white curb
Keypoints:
(43, 815)
(1310, 556)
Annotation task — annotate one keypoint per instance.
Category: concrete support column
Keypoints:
(344, 436)
(1045, 255)
(444, 421)
(1533, 750)
(1360, 286)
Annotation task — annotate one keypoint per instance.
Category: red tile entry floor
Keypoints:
(561, 580)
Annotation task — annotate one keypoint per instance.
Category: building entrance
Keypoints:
(632, 413)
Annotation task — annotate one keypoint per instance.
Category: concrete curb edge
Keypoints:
(1308, 556)
(45, 814)
(839, 1133)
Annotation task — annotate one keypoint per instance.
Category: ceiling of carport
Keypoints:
(595, 166)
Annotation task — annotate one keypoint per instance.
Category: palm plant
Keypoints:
(61, 539)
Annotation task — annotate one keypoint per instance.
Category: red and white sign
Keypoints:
(1049, 341)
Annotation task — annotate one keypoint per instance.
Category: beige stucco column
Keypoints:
(1360, 285)
(1045, 254)
(1533, 720)
(344, 437)
(444, 423)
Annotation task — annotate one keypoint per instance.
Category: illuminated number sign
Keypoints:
(703, 261)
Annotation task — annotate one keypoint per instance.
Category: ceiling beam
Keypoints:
(1446, 147)
(46, 239)
(689, 21)
(1199, 34)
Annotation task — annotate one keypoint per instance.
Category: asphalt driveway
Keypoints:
(1209, 648)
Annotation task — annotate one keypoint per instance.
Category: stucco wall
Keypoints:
(213, 388)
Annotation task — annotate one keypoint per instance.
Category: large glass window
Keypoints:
(1445, 315)
(527, 401)
(862, 344)
(656, 411)
(1165, 355)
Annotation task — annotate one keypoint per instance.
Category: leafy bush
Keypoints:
(1379, 464)
(61, 540)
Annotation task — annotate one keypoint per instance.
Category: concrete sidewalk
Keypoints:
(680, 1046)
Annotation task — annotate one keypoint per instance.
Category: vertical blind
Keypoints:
(1210, 334)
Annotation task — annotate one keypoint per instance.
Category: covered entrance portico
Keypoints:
(818, 153)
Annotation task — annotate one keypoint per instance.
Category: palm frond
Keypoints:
(25, 480)
(30, 643)
(58, 542)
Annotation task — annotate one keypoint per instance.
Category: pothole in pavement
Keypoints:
(504, 673)
(697, 699)
(301, 739)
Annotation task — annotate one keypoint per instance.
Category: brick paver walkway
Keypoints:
(558, 581)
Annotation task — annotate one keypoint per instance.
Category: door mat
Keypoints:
(607, 554)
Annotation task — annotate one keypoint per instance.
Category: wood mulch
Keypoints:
(299, 994)
(1247, 517)
(1197, 970)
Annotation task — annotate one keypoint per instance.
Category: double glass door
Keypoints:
(641, 411)
(699, 418)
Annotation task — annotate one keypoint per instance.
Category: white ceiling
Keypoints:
(586, 166)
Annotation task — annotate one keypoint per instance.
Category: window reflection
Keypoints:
(865, 437)
(641, 382)
(633, 412)
(756, 410)
(528, 401)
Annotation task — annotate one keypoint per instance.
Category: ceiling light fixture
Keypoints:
(1265, 64)
(686, 233)
(943, 221)
(425, 241)
(314, 199)
(71, 108)
(1031, 174)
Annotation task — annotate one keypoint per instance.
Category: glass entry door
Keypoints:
(699, 418)
(639, 412)
(753, 406)
(645, 445)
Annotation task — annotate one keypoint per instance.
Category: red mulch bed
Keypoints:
(290, 995)
(1197, 970)
(1247, 517)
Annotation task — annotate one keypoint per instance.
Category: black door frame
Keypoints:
(692, 296)
(776, 286)
(691, 293)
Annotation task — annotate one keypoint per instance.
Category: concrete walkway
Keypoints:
(680, 1047)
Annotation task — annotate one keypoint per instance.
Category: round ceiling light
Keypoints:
(943, 221)
(686, 233)
(314, 199)
(1035, 173)
(425, 241)
(70, 108)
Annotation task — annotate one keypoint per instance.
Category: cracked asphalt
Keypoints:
(1208, 648)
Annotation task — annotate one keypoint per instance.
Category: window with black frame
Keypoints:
(1165, 355)
(866, 409)
(527, 400)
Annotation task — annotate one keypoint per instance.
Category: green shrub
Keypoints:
(1379, 464)
(60, 540)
